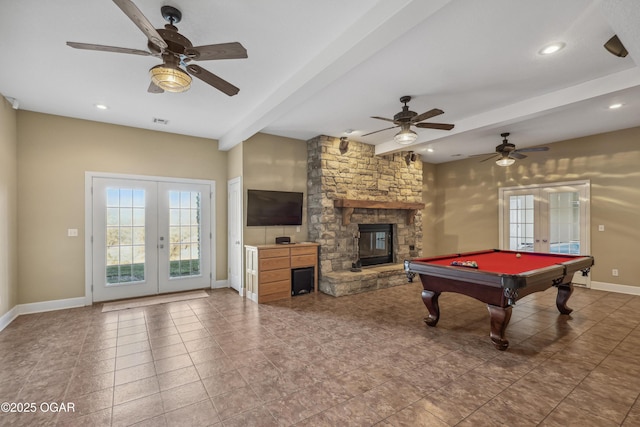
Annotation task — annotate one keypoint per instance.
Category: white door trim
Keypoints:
(88, 221)
(234, 250)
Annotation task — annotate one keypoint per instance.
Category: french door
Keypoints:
(149, 237)
(550, 218)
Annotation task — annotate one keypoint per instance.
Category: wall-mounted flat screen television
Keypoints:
(274, 208)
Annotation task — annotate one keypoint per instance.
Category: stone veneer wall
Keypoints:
(359, 174)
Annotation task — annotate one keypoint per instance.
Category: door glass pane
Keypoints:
(521, 223)
(125, 261)
(564, 222)
(184, 233)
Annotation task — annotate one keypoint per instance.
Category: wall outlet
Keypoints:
(614, 272)
(72, 232)
(601, 227)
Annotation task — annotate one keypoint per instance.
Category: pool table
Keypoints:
(498, 278)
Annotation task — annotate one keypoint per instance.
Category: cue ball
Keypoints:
(518, 255)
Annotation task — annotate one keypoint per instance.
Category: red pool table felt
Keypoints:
(503, 262)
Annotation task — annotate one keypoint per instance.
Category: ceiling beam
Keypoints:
(378, 27)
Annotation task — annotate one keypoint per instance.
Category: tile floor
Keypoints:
(321, 361)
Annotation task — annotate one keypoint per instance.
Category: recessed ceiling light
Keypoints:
(551, 48)
(614, 106)
(348, 131)
(101, 107)
(429, 150)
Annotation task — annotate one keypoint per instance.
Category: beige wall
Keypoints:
(54, 153)
(44, 158)
(8, 208)
(467, 198)
(429, 247)
(274, 163)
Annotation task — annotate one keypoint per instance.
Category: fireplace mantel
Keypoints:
(348, 205)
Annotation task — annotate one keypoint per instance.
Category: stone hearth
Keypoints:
(393, 188)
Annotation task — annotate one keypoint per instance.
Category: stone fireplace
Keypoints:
(348, 188)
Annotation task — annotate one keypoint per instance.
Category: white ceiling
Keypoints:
(326, 67)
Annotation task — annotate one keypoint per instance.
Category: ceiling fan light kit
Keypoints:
(170, 79)
(505, 161)
(405, 137)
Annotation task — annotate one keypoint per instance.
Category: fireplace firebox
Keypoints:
(375, 245)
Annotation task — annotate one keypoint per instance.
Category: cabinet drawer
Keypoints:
(303, 250)
(275, 252)
(274, 291)
(273, 263)
(274, 276)
(303, 260)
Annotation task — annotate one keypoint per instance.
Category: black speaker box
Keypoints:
(302, 280)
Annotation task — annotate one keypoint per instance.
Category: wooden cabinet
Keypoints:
(269, 268)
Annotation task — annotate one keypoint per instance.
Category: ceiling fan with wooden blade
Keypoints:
(175, 50)
(507, 152)
(406, 118)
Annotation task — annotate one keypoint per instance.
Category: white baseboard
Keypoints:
(218, 284)
(8, 317)
(612, 287)
(58, 304)
(39, 307)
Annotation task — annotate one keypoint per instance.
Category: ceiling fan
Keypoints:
(405, 119)
(175, 50)
(507, 153)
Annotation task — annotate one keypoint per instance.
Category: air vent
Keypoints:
(160, 121)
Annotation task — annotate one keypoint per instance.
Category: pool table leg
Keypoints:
(499, 320)
(564, 292)
(430, 300)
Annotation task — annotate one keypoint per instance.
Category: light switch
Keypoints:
(72, 232)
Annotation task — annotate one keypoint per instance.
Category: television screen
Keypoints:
(274, 208)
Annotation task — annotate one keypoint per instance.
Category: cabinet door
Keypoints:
(251, 273)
